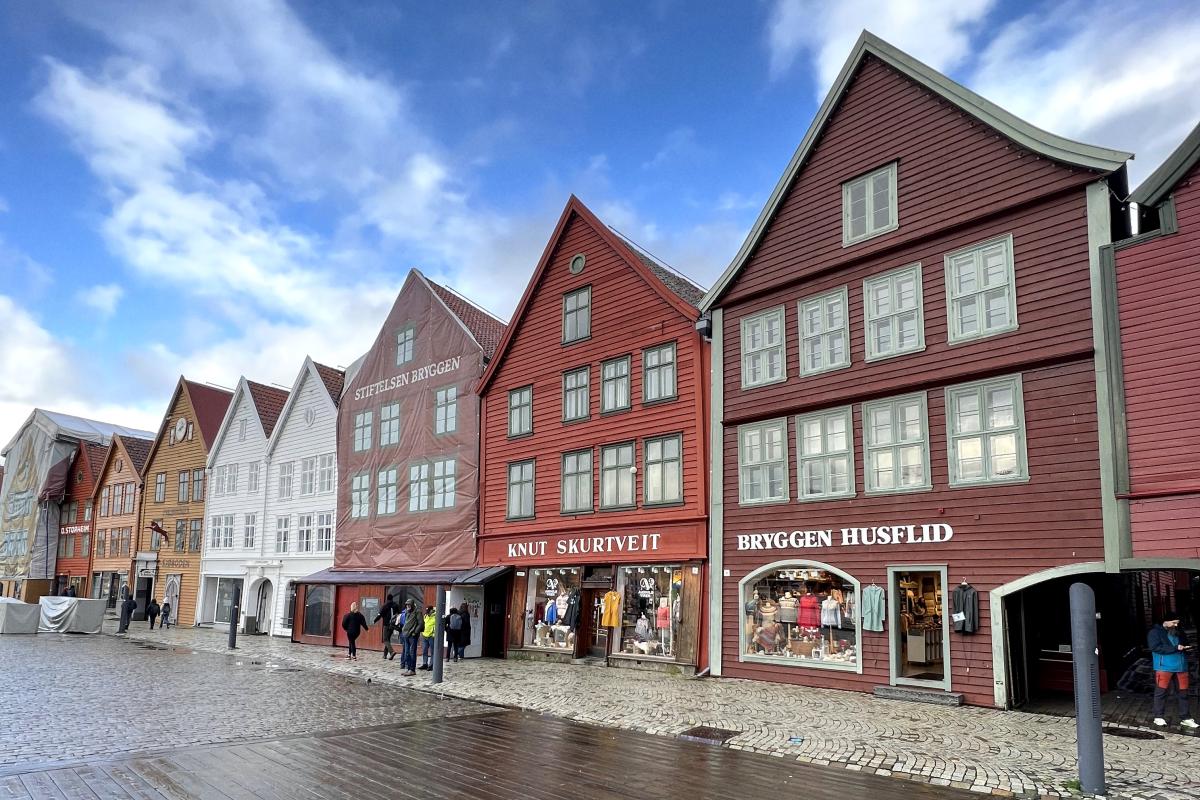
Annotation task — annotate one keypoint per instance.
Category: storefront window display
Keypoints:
(650, 610)
(318, 611)
(553, 608)
(801, 614)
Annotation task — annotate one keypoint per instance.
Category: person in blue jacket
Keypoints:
(1169, 647)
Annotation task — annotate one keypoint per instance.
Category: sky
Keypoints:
(219, 189)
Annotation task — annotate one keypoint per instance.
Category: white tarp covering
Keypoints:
(18, 617)
(71, 615)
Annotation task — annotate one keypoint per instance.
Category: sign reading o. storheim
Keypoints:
(878, 535)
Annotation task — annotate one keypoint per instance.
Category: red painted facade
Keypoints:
(77, 521)
(635, 306)
(959, 183)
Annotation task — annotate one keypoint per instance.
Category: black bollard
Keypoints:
(1085, 653)
(439, 635)
(234, 613)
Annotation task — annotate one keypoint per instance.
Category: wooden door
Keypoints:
(593, 637)
(345, 596)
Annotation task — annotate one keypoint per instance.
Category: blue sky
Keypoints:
(222, 188)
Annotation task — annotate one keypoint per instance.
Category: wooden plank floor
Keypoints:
(503, 755)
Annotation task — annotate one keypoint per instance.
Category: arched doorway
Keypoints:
(265, 606)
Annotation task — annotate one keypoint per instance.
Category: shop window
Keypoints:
(289, 605)
(894, 314)
(824, 332)
(825, 451)
(614, 385)
(650, 610)
(553, 608)
(445, 410)
(986, 426)
(869, 205)
(980, 290)
(226, 596)
(577, 315)
(801, 614)
(762, 462)
(658, 369)
(576, 403)
(762, 349)
(318, 611)
(520, 411)
(896, 440)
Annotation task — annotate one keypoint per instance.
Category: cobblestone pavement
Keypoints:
(988, 751)
(73, 697)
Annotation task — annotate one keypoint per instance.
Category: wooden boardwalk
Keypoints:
(501, 755)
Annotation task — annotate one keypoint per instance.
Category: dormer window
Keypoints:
(869, 205)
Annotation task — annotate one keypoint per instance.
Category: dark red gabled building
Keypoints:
(595, 474)
(915, 442)
(76, 520)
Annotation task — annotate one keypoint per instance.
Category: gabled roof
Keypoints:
(273, 401)
(310, 370)
(268, 402)
(138, 451)
(691, 292)
(1034, 139)
(334, 380)
(209, 405)
(1164, 179)
(486, 329)
(651, 271)
(94, 457)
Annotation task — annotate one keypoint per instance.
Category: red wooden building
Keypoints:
(76, 520)
(1157, 273)
(595, 454)
(909, 408)
(408, 473)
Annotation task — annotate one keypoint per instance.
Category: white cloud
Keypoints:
(679, 145)
(102, 299)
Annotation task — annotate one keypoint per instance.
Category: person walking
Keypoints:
(464, 635)
(128, 606)
(386, 614)
(427, 634)
(353, 624)
(166, 613)
(453, 624)
(1169, 647)
(152, 612)
(413, 624)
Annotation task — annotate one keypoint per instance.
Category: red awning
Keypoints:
(55, 487)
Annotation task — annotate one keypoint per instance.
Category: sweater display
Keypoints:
(965, 601)
(789, 609)
(810, 611)
(800, 615)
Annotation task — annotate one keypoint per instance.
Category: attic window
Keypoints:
(869, 205)
(577, 263)
(120, 465)
(242, 430)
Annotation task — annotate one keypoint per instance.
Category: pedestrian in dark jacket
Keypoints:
(128, 606)
(386, 614)
(464, 636)
(152, 612)
(453, 625)
(353, 624)
(72, 593)
(413, 625)
(166, 613)
(1169, 649)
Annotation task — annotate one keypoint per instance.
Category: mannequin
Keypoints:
(767, 638)
(769, 610)
(663, 620)
(810, 611)
(541, 634)
(788, 612)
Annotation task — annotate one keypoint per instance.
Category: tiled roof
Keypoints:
(684, 288)
(96, 455)
(486, 329)
(333, 378)
(210, 404)
(138, 451)
(269, 402)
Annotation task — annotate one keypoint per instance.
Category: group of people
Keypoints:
(153, 611)
(411, 627)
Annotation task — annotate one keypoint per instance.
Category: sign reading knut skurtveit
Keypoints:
(926, 533)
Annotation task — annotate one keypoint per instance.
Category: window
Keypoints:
(283, 531)
(386, 502)
(762, 349)
(577, 482)
(614, 385)
(125, 535)
(129, 498)
(405, 340)
(444, 472)
(360, 496)
(658, 373)
(157, 540)
(180, 535)
(576, 403)
(231, 479)
(101, 542)
(389, 424)
(197, 535)
(663, 480)
(242, 426)
(304, 533)
(227, 531)
(548, 596)
(66, 546)
(197, 485)
(762, 462)
(69, 513)
(869, 205)
(214, 532)
(218, 484)
(897, 446)
(895, 321)
(318, 611)
(249, 530)
(362, 431)
(445, 410)
(118, 494)
(981, 290)
(801, 615)
(87, 510)
(520, 490)
(418, 487)
(325, 473)
(252, 470)
(160, 489)
(324, 532)
(985, 427)
(286, 472)
(824, 332)
(520, 411)
(616, 476)
(87, 544)
(185, 479)
(577, 315)
(825, 454)
(104, 502)
(308, 476)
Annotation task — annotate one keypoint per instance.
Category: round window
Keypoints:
(577, 263)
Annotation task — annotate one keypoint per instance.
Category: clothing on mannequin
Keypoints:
(610, 616)
(810, 611)
(831, 613)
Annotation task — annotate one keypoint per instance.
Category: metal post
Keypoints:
(234, 613)
(1086, 657)
(439, 635)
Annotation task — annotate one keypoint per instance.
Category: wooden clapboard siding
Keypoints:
(81, 481)
(120, 467)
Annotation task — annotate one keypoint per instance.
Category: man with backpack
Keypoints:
(454, 631)
(387, 613)
(411, 628)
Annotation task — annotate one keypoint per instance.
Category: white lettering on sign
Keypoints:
(406, 378)
(929, 533)
(584, 545)
(76, 529)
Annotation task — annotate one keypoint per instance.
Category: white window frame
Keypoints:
(765, 463)
(389, 424)
(214, 532)
(218, 484)
(581, 311)
(324, 532)
(520, 411)
(445, 410)
(227, 532)
(666, 371)
(824, 334)
(406, 339)
(804, 459)
(308, 476)
(360, 496)
(867, 179)
(444, 485)
(520, 484)
(618, 382)
(954, 298)
(283, 530)
(287, 471)
(895, 445)
(419, 486)
(326, 473)
(892, 278)
(253, 468)
(671, 495)
(249, 530)
(362, 430)
(243, 426)
(231, 479)
(986, 432)
(387, 491)
(580, 392)
(575, 475)
(618, 475)
(304, 533)
(764, 351)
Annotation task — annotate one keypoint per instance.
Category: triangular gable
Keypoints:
(484, 327)
(631, 256)
(123, 446)
(1032, 138)
(1174, 169)
(245, 390)
(268, 404)
(213, 399)
(308, 371)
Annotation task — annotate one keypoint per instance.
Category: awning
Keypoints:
(475, 575)
(55, 486)
(481, 575)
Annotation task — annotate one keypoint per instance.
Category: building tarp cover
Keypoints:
(18, 617)
(29, 529)
(71, 615)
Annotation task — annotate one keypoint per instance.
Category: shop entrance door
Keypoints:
(495, 604)
(920, 629)
(594, 636)
(345, 596)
